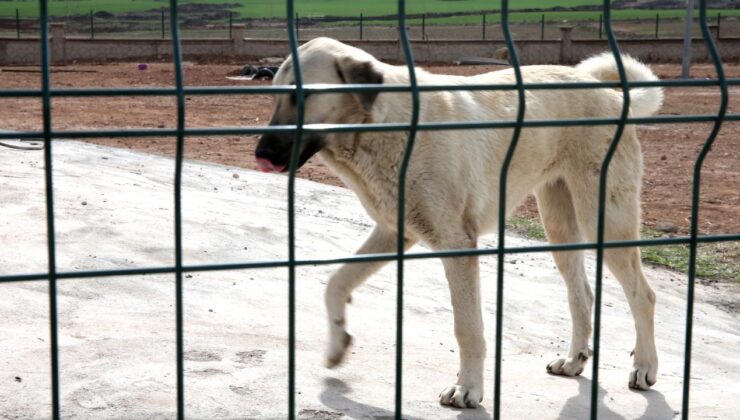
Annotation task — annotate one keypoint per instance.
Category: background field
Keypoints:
(270, 9)
(276, 9)
(459, 19)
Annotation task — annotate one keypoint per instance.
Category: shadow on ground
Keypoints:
(333, 396)
(579, 406)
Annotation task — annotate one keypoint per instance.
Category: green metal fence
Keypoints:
(52, 276)
(530, 24)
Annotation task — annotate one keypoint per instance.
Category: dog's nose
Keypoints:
(263, 151)
(265, 156)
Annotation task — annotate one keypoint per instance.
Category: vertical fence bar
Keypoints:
(50, 229)
(542, 27)
(231, 24)
(601, 25)
(695, 195)
(602, 207)
(719, 21)
(92, 26)
(521, 108)
(17, 24)
(400, 244)
(687, 43)
(423, 26)
(295, 154)
(657, 24)
(360, 26)
(180, 136)
(162, 26)
(297, 28)
(483, 27)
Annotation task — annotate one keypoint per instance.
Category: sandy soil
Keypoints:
(669, 150)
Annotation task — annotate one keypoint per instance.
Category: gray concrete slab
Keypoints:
(114, 209)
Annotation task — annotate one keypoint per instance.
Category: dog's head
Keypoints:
(323, 61)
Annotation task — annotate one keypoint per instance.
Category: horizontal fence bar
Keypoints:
(326, 88)
(343, 128)
(682, 240)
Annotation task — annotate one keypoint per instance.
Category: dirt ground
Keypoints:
(670, 150)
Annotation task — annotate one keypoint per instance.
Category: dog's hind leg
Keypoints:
(345, 280)
(625, 264)
(558, 216)
(623, 223)
(463, 278)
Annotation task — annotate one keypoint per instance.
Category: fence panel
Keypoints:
(52, 276)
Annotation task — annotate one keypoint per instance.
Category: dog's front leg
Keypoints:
(462, 275)
(345, 280)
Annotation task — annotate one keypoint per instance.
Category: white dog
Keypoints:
(453, 180)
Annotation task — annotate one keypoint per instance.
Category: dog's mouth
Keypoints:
(265, 165)
(279, 162)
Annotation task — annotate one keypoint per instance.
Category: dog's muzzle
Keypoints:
(273, 151)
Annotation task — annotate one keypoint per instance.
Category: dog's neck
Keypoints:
(368, 162)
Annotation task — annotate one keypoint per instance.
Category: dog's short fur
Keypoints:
(453, 180)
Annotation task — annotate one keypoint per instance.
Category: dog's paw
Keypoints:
(644, 370)
(643, 376)
(337, 350)
(461, 397)
(568, 366)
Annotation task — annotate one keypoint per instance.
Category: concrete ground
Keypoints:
(114, 209)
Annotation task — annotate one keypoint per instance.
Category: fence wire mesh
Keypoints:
(52, 276)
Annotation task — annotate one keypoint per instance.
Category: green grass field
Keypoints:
(318, 8)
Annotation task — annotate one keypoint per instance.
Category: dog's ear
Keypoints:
(352, 71)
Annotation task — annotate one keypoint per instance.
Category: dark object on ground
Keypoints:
(469, 61)
(253, 72)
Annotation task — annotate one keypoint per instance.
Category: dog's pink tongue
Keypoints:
(266, 166)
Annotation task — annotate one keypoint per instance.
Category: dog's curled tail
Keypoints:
(643, 101)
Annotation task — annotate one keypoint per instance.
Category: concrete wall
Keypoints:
(19, 51)
(66, 49)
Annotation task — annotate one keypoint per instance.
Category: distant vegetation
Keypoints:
(446, 9)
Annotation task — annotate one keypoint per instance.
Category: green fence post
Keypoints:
(92, 26)
(162, 24)
(297, 28)
(601, 220)
(360, 26)
(413, 126)
(503, 178)
(293, 166)
(484, 26)
(601, 25)
(179, 153)
(50, 219)
(657, 24)
(542, 27)
(423, 27)
(719, 19)
(695, 194)
(17, 24)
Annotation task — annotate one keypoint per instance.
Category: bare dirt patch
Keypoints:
(670, 150)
